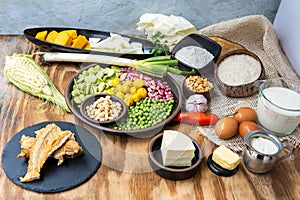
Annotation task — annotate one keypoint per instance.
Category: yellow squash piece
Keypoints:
(51, 36)
(63, 39)
(41, 35)
(79, 42)
(71, 33)
(87, 46)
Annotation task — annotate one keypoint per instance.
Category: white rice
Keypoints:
(239, 69)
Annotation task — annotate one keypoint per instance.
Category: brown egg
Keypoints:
(245, 114)
(226, 127)
(247, 126)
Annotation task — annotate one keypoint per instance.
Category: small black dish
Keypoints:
(91, 99)
(201, 41)
(218, 170)
(31, 32)
(172, 173)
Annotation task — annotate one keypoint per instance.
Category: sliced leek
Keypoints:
(156, 66)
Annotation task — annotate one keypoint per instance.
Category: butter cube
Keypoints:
(177, 149)
(226, 158)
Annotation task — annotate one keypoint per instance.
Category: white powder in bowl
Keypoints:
(194, 56)
(264, 145)
(239, 69)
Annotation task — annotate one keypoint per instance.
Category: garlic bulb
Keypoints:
(196, 103)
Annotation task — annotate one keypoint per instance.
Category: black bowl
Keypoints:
(91, 99)
(172, 173)
(200, 41)
(140, 133)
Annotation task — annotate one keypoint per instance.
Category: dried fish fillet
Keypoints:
(47, 143)
(26, 144)
(69, 149)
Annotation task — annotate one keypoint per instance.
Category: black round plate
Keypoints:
(71, 173)
(217, 169)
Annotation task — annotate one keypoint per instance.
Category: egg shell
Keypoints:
(226, 127)
(245, 114)
(247, 126)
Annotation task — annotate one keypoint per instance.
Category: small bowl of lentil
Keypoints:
(197, 84)
(103, 108)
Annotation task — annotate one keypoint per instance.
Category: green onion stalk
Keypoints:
(156, 66)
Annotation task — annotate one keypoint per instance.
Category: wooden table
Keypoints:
(125, 172)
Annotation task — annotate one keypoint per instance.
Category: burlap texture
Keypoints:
(257, 35)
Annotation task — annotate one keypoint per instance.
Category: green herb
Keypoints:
(160, 47)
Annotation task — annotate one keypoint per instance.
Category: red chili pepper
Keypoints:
(196, 118)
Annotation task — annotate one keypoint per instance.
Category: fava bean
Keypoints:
(91, 81)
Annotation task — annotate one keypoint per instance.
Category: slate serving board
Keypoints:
(70, 174)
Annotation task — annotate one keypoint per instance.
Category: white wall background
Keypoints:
(287, 26)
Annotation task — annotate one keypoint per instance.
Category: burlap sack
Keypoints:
(257, 35)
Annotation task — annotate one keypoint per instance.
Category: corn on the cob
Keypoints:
(22, 71)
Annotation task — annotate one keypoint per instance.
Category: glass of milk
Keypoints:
(278, 107)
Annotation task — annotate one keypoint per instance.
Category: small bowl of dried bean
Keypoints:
(197, 84)
(103, 108)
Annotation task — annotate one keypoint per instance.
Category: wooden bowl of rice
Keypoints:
(236, 73)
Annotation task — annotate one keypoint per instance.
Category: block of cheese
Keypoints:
(226, 158)
(177, 149)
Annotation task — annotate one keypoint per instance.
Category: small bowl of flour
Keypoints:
(197, 52)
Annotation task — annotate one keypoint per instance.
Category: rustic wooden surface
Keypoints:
(125, 172)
